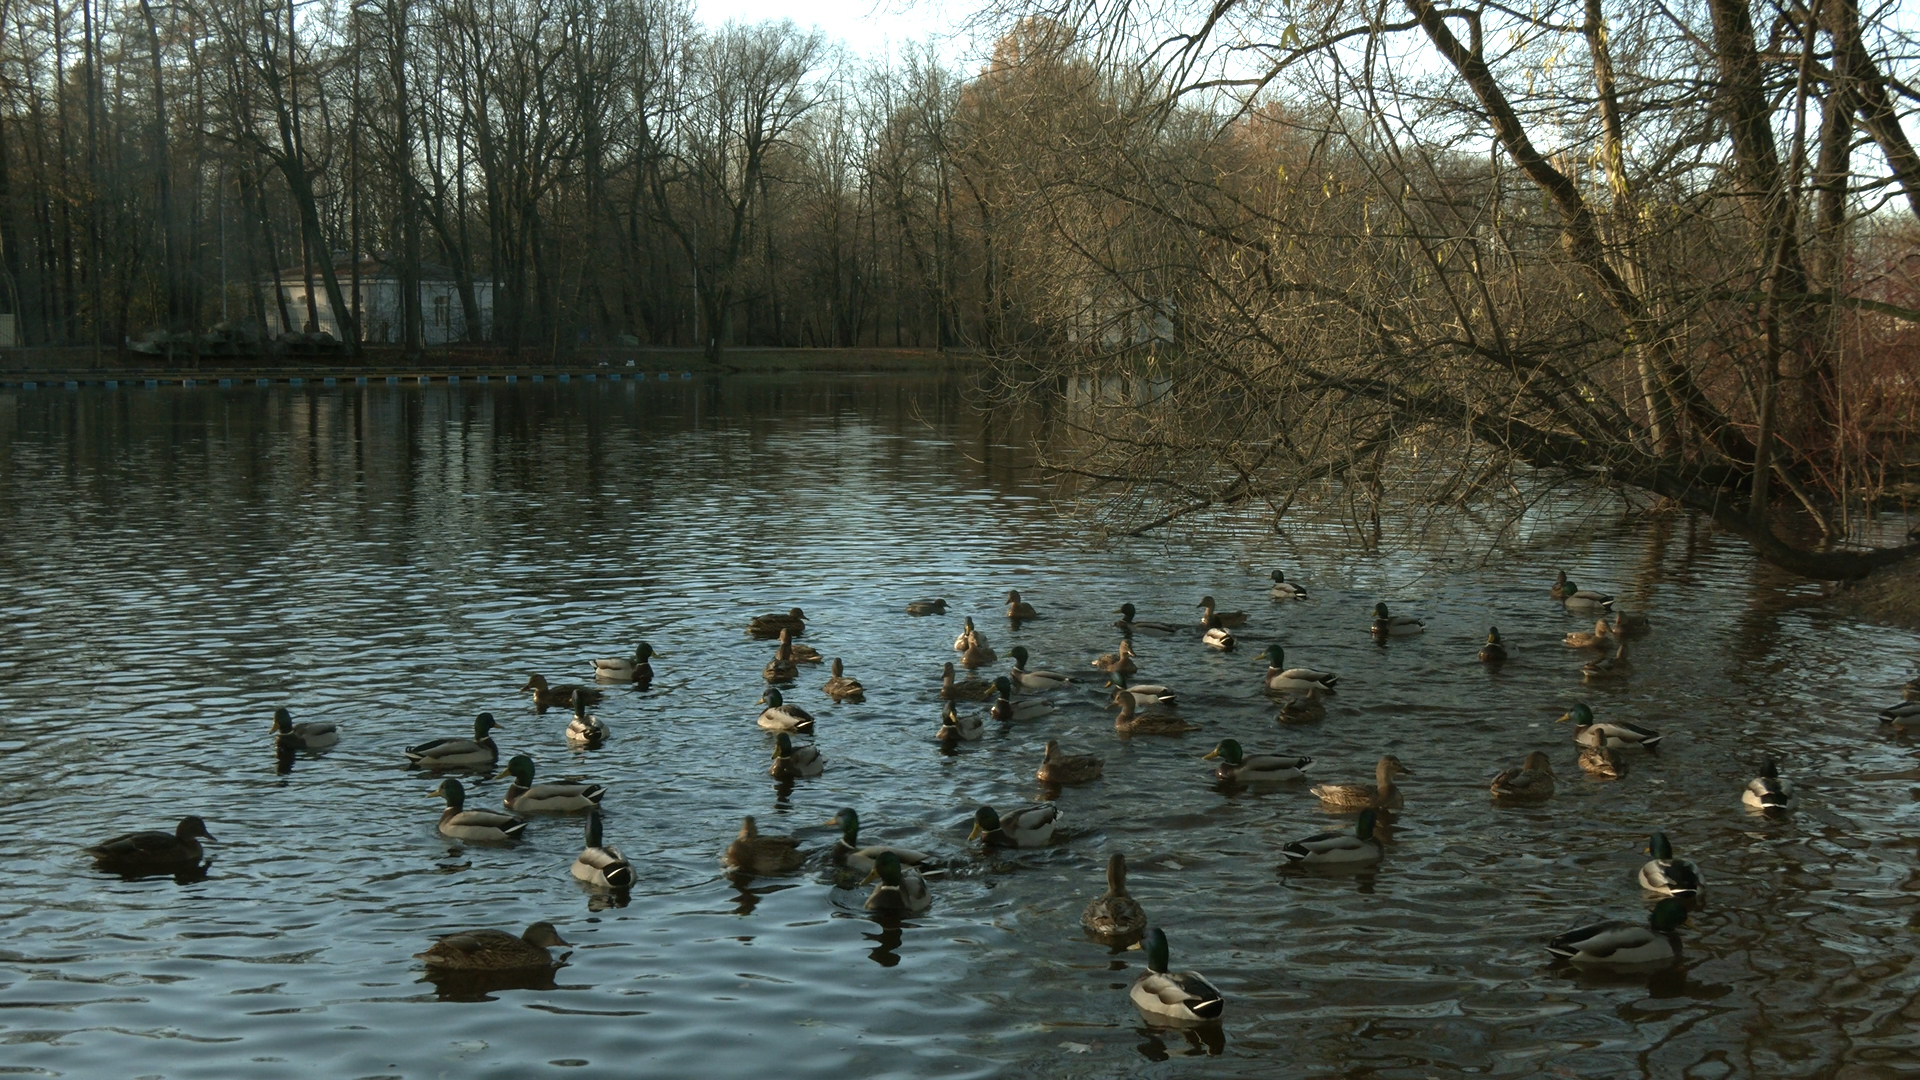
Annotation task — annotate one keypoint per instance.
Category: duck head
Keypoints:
(849, 823)
(453, 791)
(1154, 944)
(520, 767)
(985, 820)
(1579, 714)
(887, 869)
(282, 721)
(1228, 751)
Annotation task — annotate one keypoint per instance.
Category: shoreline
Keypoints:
(1889, 596)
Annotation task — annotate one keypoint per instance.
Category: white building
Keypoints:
(440, 307)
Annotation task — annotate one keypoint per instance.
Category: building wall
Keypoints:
(380, 309)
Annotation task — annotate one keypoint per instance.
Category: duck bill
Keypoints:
(975, 834)
(1135, 947)
(503, 774)
(1210, 755)
(871, 874)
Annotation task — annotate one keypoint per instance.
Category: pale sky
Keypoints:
(868, 27)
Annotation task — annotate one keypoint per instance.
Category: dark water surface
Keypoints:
(175, 564)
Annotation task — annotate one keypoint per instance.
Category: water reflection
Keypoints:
(483, 985)
(1200, 1040)
(886, 939)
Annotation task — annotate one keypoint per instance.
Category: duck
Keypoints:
(1017, 608)
(1607, 667)
(978, 653)
(1059, 768)
(781, 669)
(1619, 943)
(935, 606)
(478, 751)
(842, 687)
(1560, 588)
(1356, 848)
(1129, 625)
(1770, 791)
(1032, 680)
(848, 852)
(770, 625)
(780, 716)
(463, 824)
(757, 854)
(494, 950)
(1119, 661)
(637, 668)
(1598, 637)
(790, 761)
(546, 697)
(955, 728)
(153, 851)
(307, 735)
(1666, 875)
(971, 690)
(1224, 619)
(1284, 589)
(1146, 695)
(1180, 996)
(1601, 763)
(1911, 691)
(1298, 708)
(1388, 625)
(1216, 636)
(1628, 624)
(526, 797)
(1132, 722)
(1238, 767)
(1282, 677)
(1614, 735)
(1531, 782)
(1114, 916)
(1902, 716)
(969, 635)
(798, 653)
(584, 730)
(1495, 650)
(1029, 826)
(600, 866)
(1579, 599)
(1006, 710)
(900, 890)
(1381, 793)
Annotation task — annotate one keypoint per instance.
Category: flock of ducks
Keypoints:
(898, 873)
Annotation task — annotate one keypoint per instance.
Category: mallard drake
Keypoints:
(459, 753)
(598, 865)
(546, 696)
(780, 716)
(1614, 734)
(770, 625)
(1494, 651)
(1210, 616)
(1600, 636)
(494, 950)
(1284, 589)
(1388, 625)
(1618, 943)
(978, 653)
(935, 606)
(1601, 763)
(155, 851)
(584, 730)
(1666, 875)
(1607, 667)
(798, 653)
(463, 824)
(1059, 768)
(1770, 791)
(1032, 680)
(1215, 636)
(526, 797)
(1237, 767)
(1282, 677)
(637, 668)
(956, 728)
(900, 889)
(1146, 695)
(1531, 782)
(308, 735)
(1356, 848)
(1579, 599)
(848, 852)
(1029, 826)
(1628, 624)
(1302, 708)
(1381, 794)
(1119, 661)
(757, 854)
(842, 687)
(1132, 722)
(790, 761)
(1902, 716)
(1006, 710)
(1181, 996)
(1128, 625)
(1017, 608)
(1115, 917)
(1560, 589)
(971, 690)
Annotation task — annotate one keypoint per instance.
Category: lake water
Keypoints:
(175, 564)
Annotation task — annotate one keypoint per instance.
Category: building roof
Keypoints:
(376, 266)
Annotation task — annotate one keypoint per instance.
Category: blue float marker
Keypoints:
(224, 383)
(615, 376)
(513, 378)
(479, 378)
(113, 384)
(296, 381)
(564, 376)
(663, 376)
(686, 374)
(71, 385)
(29, 386)
(261, 382)
(450, 378)
(393, 380)
(328, 381)
(153, 384)
(359, 380)
(539, 378)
